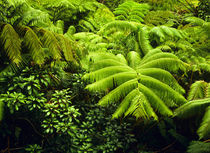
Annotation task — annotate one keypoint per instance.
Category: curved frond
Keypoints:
(12, 43)
(34, 45)
(49, 40)
(198, 90)
(119, 92)
(133, 59)
(204, 129)
(192, 108)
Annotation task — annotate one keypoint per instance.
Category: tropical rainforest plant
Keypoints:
(144, 86)
(198, 105)
(131, 11)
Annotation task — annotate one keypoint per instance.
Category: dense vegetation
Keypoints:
(106, 76)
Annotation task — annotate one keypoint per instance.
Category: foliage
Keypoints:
(203, 11)
(131, 11)
(135, 80)
(198, 146)
(131, 54)
(198, 106)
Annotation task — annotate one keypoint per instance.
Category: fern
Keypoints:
(199, 90)
(198, 147)
(121, 80)
(11, 42)
(162, 33)
(131, 11)
(204, 129)
(199, 105)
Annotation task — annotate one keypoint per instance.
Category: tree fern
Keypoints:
(162, 33)
(132, 11)
(198, 106)
(127, 31)
(198, 147)
(199, 90)
(112, 75)
(11, 42)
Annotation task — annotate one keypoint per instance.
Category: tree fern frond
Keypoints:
(144, 41)
(133, 59)
(198, 90)
(12, 43)
(204, 129)
(155, 101)
(132, 11)
(49, 40)
(112, 81)
(119, 25)
(169, 64)
(125, 104)
(119, 92)
(192, 108)
(122, 58)
(141, 108)
(34, 45)
(105, 72)
(167, 94)
(198, 147)
(67, 47)
(158, 56)
(194, 21)
(111, 73)
(163, 76)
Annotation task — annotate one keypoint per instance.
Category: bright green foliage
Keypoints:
(131, 11)
(144, 86)
(127, 36)
(162, 33)
(199, 90)
(160, 17)
(94, 21)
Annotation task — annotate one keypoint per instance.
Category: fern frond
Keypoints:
(198, 147)
(144, 40)
(105, 72)
(198, 90)
(132, 11)
(112, 73)
(119, 92)
(133, 59)
(169, 64)
(167, 94)
(49, 40)
(192, 108)
(112, 81)
(12, 43)
(34, 45)
(204, 129)
(155, 101)
(163, 76)
(67, 47)
(141, 108)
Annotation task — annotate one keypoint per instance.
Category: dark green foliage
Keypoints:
(203, 9)
(198, 147)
